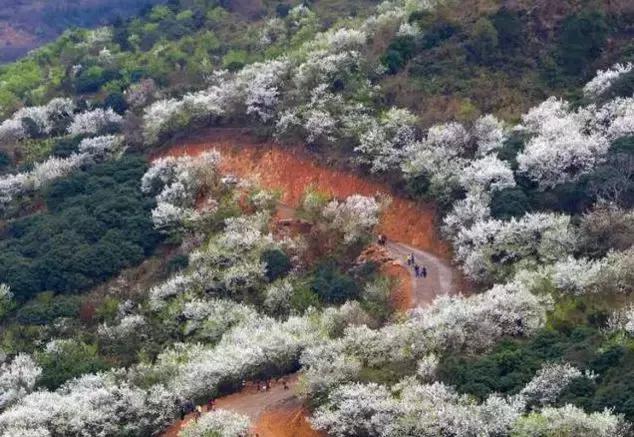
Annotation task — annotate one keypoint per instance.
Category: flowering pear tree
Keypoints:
(95, 122)
(563, 144)
(604, 79)
(355, 217)
(549, 382)
(17, 379)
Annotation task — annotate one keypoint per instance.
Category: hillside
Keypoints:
(412, 218)
(27, 24)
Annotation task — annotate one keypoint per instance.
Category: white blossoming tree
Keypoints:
(382, 142)
(354, 218)
(563, 146)
(222, 423)
(17, 379)
(604, 79)
(494, 248)
(550, 381)
(570, 420)
(95, 122)
(6, 300)
(177, 183)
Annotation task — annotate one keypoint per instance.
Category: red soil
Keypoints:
(292, 171)
(285, 422)
(277, 412)
(402, 298)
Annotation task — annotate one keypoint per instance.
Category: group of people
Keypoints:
(420, 272)
(265, 385)
(188, 406)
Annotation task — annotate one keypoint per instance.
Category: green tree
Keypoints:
(581, 40)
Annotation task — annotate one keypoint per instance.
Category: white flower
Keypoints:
(355, 217)
(605, 78)
(221, 423)
(17, 379)
(94, 122)
(489, 133)
(563, 147)
(549, 382)
(487, 174)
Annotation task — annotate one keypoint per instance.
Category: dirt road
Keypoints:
(408, 225)
(439, 279)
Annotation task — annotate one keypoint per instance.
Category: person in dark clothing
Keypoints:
(416, 270)
(424, 272)
(189, 406)
(186, 407)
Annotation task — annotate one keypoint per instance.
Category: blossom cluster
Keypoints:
(450, 324)
(177, 183)
(37, 120)
(90, 150)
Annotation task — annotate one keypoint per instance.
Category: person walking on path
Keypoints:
(182, 408)
(411, 260)
(416, 270)
(424, 272)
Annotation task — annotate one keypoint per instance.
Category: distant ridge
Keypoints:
(27, 24)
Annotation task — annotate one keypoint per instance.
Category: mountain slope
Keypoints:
(26, 24)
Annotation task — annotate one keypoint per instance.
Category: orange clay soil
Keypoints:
(402, 297)
(285, 421)
(277, 412)
(291, 171)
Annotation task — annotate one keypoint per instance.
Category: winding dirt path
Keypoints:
(408, 225)
(439, 279)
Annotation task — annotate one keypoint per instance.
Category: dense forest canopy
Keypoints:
(135, 278)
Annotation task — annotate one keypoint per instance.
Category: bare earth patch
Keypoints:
(408, 225)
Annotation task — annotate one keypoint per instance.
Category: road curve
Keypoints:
(407, 221)
(439, 280)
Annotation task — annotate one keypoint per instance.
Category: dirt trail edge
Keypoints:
(408, 225)
(439, 278)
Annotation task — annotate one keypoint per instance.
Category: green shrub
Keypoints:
(510, 202)
(278, 264)
(580, 42)
(418, 186)
(117, 102)
(68, 360)
(234, 60)
(5, 160)
(108, 309)
(332, 285)
(400, 50)
(97, 223)
(66, 146)
(303, 298)
(510, 29)
(47, 307)
(177, 263)
(483, 43)
(439, 32)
